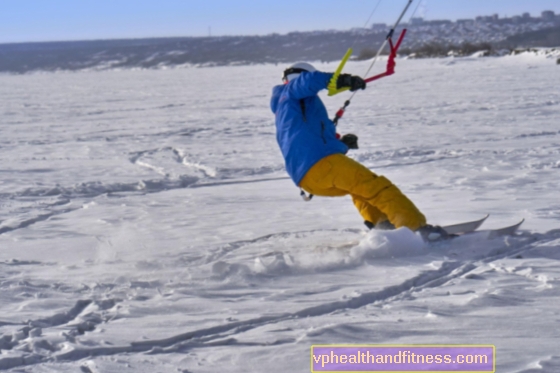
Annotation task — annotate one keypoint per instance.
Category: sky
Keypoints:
(57, 20)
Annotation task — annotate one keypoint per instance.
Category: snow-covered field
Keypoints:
(147, 223)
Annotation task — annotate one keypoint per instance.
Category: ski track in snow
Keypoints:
(144, 225)
(86, 315)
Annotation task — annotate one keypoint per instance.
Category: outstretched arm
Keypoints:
(308, 84)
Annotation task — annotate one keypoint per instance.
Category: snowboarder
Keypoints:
(315, 154)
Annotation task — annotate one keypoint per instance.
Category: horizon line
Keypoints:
(253, 35)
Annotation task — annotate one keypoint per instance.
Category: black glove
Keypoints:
(350, 140)
(352, 81)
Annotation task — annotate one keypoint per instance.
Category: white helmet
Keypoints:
(293, 71)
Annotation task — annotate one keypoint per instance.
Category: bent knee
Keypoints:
(370, 186)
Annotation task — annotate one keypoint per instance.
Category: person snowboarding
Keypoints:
(315, 155)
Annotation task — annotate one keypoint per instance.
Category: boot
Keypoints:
(431, 233)
(384, 225)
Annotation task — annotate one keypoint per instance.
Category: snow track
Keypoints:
(148, 227)
(86, 315)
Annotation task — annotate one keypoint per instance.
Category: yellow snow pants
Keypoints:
(375, 197)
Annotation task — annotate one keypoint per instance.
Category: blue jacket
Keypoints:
(304, 138)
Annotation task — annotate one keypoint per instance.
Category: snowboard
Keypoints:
(466, 227)
(471, 227)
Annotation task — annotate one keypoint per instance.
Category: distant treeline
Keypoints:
(440, 49)
(323, 46)
(435, 49)
(542, 38)
(159, 52)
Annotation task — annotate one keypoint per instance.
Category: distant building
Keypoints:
(548, 15)
(379, 26)
(526, 15)
(438, 22)
(417, 21)
(491, 18)
(465, 21)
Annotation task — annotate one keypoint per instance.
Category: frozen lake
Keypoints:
(147, 223)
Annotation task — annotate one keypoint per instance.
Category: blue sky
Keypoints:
(48, 20)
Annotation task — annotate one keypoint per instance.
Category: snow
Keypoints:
(147, 223)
